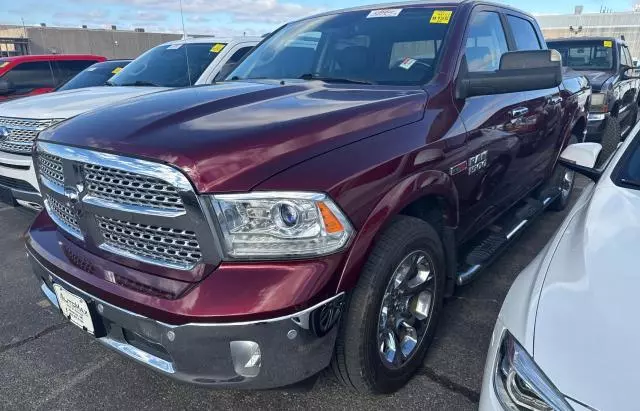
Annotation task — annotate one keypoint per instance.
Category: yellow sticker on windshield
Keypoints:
(5, 64)
(217, 48)
(441, 17)
(116, 70)
(608, 43)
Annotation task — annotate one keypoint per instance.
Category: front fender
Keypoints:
(426, 183)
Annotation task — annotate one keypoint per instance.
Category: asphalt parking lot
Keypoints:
(46, 363)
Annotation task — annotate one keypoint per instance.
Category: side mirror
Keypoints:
(519, 71)
(581, 158)
(6, 87)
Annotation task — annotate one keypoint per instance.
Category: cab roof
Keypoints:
(227, 40)
(52, 57)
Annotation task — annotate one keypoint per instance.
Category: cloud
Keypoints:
(198, 19)
(259, 11)
(144, 15)
(89, 16)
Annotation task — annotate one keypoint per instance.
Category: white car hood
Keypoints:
(586, 333)
(66, 104)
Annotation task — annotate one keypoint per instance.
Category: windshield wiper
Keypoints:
(310, 76)
(141, 83)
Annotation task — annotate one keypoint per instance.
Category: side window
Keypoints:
(232, 63)
(486, 42)
(65, 70)
(627, 56)
(524, 34)
(26, 77)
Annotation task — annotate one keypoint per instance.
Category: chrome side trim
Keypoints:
(516, 229)
(132, 165)
(138, 354)
(463, 278)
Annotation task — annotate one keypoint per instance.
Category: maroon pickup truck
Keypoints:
(315, 208)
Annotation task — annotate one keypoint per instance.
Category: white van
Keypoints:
(175, 64)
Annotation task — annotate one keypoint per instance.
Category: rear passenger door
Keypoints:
(539, 144)
(65, 70)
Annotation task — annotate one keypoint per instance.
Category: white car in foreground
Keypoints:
(178, 63)
(567, 335)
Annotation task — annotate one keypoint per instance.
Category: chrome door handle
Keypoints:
(519, 112)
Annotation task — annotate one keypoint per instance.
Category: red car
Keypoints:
(23, 76)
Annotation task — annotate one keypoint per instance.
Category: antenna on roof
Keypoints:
(184, 37)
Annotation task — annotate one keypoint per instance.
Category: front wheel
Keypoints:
(392, 313)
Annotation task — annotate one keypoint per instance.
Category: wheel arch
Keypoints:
(429, 195)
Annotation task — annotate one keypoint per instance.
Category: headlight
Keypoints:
(599, 102)
(280, 224)
(520, 384)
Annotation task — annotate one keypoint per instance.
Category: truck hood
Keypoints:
(586, 332)
(597, 78)
(66, 104)
(232, 136)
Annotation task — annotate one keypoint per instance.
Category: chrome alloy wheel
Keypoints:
(406, 309)
(567, 183)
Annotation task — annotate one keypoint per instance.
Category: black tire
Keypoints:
(633, 119)
(610, 139)
(357, 363)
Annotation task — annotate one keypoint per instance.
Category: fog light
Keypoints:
(247, 358)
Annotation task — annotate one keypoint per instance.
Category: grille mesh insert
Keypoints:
(159, 244)
(128, 188)
(22, 133)
(63, 214)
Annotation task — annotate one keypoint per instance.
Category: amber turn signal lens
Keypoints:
(331, 222)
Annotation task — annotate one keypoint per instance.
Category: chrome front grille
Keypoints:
(173, 247)
(22, 133)
(50, 167)
(63, 215)
(130, 188)
(131, 208)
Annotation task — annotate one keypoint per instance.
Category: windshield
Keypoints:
(96, 75)
(166, 65)
(392, 46)
(585, 55)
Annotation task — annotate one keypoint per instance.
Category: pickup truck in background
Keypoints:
(23, 76)
(607, 63)
(317, 207)
(161, 68)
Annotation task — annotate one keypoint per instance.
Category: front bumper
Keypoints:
(18, 175)
(291, 348)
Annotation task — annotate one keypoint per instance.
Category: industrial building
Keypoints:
(113, 44)
(604, 24)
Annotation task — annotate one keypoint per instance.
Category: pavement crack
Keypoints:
(480, 300)
(449, 384)
(42, 333)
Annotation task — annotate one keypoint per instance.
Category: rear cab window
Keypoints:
(166, 65)
(394, 46)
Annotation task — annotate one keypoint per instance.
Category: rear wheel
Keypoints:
(392, 313)
(563, 179)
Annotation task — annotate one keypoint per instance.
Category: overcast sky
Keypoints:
(216, 16)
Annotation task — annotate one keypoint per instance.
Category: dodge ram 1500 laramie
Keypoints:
(316, 207)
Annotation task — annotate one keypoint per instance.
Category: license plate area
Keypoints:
(75, 309)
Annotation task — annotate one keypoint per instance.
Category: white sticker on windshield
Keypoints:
(384, 13)
(174, 46)
(91, 69)
(407, 63)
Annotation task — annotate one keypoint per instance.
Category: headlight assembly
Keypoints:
(520, 384)
(599, 103)
(280, 224)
